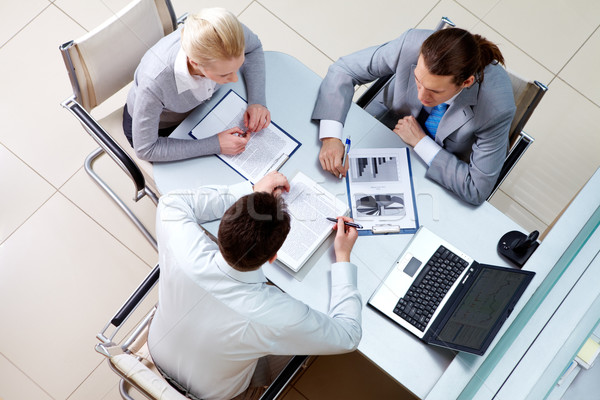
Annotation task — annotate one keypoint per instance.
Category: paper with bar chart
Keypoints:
(380, 190)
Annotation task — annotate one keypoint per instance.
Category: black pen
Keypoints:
(352, 224)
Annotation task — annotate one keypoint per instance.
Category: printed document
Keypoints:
(309, 204)
(266, 151)
(380, 190)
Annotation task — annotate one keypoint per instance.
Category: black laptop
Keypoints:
(446, 298)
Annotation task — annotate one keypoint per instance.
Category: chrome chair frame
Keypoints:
(107, 144)
(107, 343)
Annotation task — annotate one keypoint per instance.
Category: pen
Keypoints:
(352, 224)
(346, 150)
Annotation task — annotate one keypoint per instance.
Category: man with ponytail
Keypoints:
(182, 71)
(449, 100)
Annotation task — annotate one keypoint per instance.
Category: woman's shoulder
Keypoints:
(161, 56)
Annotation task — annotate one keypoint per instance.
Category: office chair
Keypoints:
(130, 359)
(101, 63)
(527, 94)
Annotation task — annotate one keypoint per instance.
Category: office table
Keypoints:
(291, 91)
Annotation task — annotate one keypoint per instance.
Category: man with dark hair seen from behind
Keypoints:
(219, 326)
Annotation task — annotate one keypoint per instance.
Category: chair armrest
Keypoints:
(514, 155)
(108, 144)
(364, 100)
(145, 380)
(136, 298)
(284, 377)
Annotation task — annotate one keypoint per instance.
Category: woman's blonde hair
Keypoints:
(212, 34)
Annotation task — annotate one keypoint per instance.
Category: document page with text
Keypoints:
(266, 151)
(309, 204)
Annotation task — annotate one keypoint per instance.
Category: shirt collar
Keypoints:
(450, 101)
(256, 276)
(183, 79)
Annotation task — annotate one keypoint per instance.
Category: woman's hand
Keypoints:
(256, 118)
(233, 141)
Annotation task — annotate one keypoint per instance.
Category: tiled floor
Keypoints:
(67, 255)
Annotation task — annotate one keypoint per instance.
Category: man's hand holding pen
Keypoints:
(345, 238)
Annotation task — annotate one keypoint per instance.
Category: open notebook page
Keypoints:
(309, 204)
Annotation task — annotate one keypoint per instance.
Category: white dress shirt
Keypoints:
(214, 322)
(201, 87)
(426, 149)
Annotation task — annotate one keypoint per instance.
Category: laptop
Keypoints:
(445, 298)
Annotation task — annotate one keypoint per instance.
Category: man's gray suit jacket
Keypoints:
(473, 133)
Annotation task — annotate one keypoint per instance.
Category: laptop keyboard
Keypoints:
(427, 291)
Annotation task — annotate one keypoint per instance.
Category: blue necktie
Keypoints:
(434, 118)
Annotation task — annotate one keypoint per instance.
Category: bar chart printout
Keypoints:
(375, 169)
(380, 188)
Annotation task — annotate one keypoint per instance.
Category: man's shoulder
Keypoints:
(497, 88)
(408, 46)
(414, 37)
(273, 308)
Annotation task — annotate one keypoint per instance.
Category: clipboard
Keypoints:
(380, 191)
(228, 113)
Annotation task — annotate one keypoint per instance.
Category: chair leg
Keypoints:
(88, 166)
(123, 390)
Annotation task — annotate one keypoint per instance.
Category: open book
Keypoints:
(380, 191)
(266, 150)
(309, 205)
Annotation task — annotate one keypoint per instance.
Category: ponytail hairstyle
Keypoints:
(460, 54)
(212, 34)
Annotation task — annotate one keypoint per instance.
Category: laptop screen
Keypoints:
(472, 321)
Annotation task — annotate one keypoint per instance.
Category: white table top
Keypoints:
(291, 94)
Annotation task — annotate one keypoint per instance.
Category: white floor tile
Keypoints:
(562, 158)
(582, 71)
(61, 277)
(102, 384)
(94, 202)
(14, 15)
(276, 36)
(550, 31)
(517, 213)
(193, 6)
(23, 192)
(479, 7)
(515, 59)
(35, 127)
(91, 13)
(339, 27)
(16, 385)
(453, 11)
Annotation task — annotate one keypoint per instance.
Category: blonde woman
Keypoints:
(182, 71)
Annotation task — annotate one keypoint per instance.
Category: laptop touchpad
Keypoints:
(409, 264)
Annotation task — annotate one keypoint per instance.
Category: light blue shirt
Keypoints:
(214, 322)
